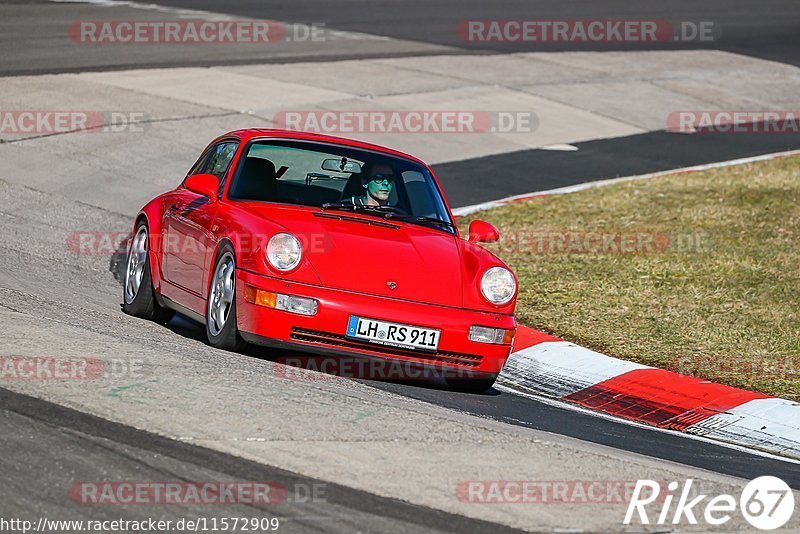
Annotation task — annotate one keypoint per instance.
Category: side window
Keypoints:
(220, 160)
(198, 166)
(419, 194)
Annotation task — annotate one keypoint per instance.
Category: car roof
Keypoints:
(248, 134)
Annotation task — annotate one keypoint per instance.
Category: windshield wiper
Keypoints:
(387, 211)
(433, 220)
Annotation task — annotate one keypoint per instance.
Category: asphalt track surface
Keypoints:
(762, 29)
(529, 413)
(47, 447)
(522, 411)
(34, 33)
(69, 445)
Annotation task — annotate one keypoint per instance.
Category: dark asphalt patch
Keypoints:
(774, 34)
(486, 178)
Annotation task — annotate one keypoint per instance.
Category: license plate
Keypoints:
(393, 334)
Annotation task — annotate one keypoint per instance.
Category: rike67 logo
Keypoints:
(767, 503)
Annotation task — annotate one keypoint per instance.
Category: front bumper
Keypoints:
(323, 333)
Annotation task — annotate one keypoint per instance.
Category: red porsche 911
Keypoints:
(322, 244)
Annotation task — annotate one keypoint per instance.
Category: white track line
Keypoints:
(466, 210)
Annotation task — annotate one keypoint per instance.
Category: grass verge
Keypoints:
(698, 273)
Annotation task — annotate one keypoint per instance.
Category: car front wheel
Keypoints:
(221, 326)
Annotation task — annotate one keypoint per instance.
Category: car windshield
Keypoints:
(334, 177)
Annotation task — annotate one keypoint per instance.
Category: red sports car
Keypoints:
(322, 244)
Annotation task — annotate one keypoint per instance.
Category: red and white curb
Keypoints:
(544, 365)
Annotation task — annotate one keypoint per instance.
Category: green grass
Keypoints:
(715, 294)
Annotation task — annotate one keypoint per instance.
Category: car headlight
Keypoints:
(284, 252)
(498, 285)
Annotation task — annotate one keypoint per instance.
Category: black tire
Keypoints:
(227, 337)
(471, 385)
(142, 302)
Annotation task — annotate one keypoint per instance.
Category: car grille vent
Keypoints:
(340, 341)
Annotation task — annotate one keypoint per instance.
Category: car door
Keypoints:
(188, 227)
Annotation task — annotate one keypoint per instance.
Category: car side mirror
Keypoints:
(203, 184)
(482, 232)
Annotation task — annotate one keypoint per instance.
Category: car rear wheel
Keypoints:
(138, 296)
(221, 328)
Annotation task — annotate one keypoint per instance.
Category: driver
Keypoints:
(378, 186)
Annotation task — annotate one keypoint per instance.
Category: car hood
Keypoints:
(371, 255)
